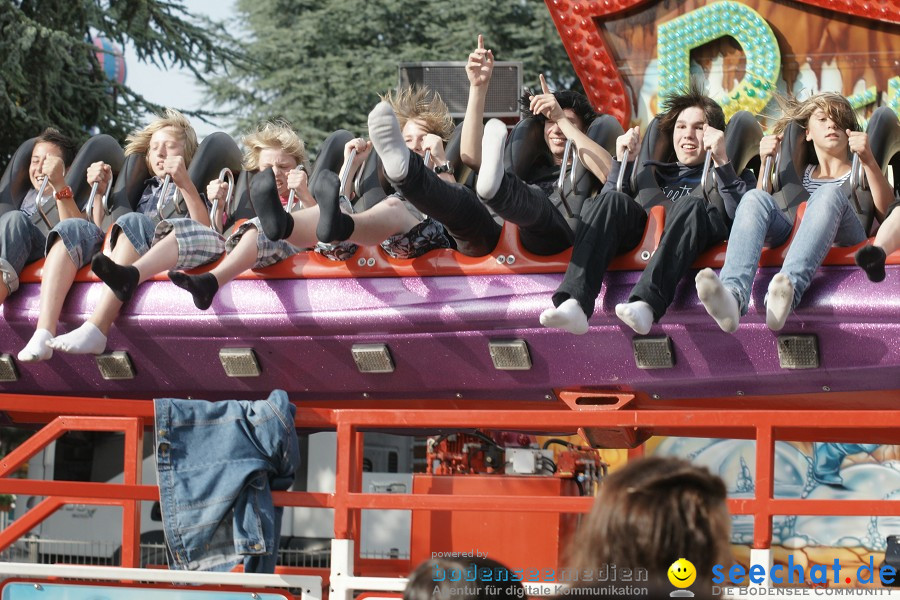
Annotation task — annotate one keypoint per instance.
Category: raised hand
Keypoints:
(545, 103)
(480, 65)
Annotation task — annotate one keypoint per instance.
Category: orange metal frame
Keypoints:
(351, 419)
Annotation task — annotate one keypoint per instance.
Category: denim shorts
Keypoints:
(81, 238)
(21, 243)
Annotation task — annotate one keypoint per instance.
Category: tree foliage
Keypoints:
(322, 63)
(50, 75)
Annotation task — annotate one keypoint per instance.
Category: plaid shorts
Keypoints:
(337, 252)
(268, 252)
(197, 243)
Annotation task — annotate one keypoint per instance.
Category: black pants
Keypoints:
(692, 226)
(610, 225)
(542, 228)
(455, 206)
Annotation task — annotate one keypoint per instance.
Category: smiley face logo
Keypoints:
(682, 573)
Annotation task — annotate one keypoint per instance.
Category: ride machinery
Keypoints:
(450, 345)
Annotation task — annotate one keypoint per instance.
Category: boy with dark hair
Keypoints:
(614, 223)
(21, 241)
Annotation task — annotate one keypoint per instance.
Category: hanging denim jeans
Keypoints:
(218, 463)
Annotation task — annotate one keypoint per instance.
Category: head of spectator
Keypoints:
(652, 512)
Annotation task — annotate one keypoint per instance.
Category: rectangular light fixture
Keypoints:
(653, 352)
(510, 355)
(115, 365)
(239, 362)
(373, 358)
(798, 351)
(8, 371)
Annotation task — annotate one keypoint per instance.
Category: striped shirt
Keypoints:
(811, 185)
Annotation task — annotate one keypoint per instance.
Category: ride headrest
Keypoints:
(217, 151)
(331, 155)
(526, 153)
(884, 140)
(15, 182)
(100, 147)
(129, 184)
(742, 136)
(451, 151)
(795, 152)
(654, 146)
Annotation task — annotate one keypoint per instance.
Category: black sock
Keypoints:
(872, 259)
(334, 225)
(276, 223)
(202, 287)
(123, 281)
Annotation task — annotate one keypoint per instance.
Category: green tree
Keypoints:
(49, 73)
(322, 63)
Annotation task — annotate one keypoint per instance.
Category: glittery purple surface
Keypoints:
(438, 330)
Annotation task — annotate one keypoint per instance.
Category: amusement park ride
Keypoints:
(446, 344)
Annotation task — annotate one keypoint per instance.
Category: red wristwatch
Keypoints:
(65, 193)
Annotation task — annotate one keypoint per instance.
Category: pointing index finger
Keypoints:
(544, 87)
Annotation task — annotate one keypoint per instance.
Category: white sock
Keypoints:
(778, 301)
(568, 316)
(491, 174)
(637, 315)
(87, 339)
(384, 130)
(36, 349)
(718, 300)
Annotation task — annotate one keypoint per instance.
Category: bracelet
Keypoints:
(65, 194)
(445, 168)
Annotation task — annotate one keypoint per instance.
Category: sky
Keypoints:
(175, 86)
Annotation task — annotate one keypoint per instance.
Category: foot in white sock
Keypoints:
(87, 339)
(779, 301)
(491, 174)
(718, 300)
(638, 315)
(36, 349)
(568, 316)
(384, 130)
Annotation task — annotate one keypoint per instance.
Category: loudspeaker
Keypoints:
(448, 78)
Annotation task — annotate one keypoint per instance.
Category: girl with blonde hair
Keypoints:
(832, 131)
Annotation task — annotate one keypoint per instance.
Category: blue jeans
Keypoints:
(21, 243)
(217, 464)
(828, 220)
(81, 238)
(138, 228)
